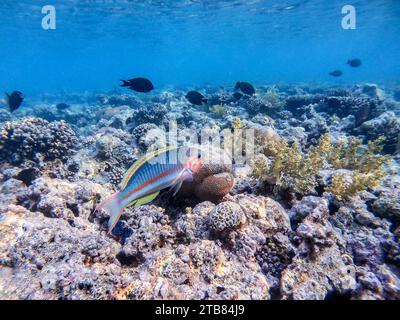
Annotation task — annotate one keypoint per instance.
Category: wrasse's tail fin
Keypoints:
(114, 207)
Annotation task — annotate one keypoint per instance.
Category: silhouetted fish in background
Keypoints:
(138, 84)
(237, 95)
(245, 87)
(14, 100)
(336, 73)
(62, 106)
(354, 63)
(196, 98)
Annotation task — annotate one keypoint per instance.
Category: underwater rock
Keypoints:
(28, 175)
(362, 108)
(193, 224)
(255, 104)
(154, 139)
(115, 147)
(265, 217)
(387, 204)
(61, 199)
(152, 113)
(120, 100)
(317, 278)
(149, 230)
(140, 130)
(387, 125)
(206, 256)
(367, 245)
(309, 218)
(372, 90)
(295, 103)
(33, 137)
(62, 106)
(67, 262)
(274, 257)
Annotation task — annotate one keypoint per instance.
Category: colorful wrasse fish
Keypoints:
(157, 170)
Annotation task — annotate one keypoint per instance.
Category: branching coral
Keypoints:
(290, 168)
(219, 110)
(366, 165)
(272, 99)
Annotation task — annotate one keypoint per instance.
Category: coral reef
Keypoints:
(313, 215)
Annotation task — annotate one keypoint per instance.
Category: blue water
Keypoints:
(194, 42)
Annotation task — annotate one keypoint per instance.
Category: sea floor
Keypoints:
(307, 206)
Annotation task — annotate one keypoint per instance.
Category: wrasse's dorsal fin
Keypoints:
(128, 175)
(144, 200)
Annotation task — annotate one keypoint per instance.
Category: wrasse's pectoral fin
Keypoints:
(176, 187)
(144, 200)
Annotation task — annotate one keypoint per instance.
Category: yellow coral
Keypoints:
(295, 170)
(219, 110)
(367, 167)
(237, 123)
(271, 96)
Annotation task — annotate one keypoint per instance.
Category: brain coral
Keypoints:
(226, 216)
(22, 140)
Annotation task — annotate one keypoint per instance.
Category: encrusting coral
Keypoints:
(289, 168)
(28, 138)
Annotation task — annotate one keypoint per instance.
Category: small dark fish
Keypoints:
(336, 73)
(138, 84)
(62, 106)
(237, 95)
(245, 87)
(14, 100)
(354, 63)
(196, 98)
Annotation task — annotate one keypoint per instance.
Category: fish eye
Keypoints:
(199, 155)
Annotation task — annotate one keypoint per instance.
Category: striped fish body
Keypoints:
(151, 177)
(151, 174)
